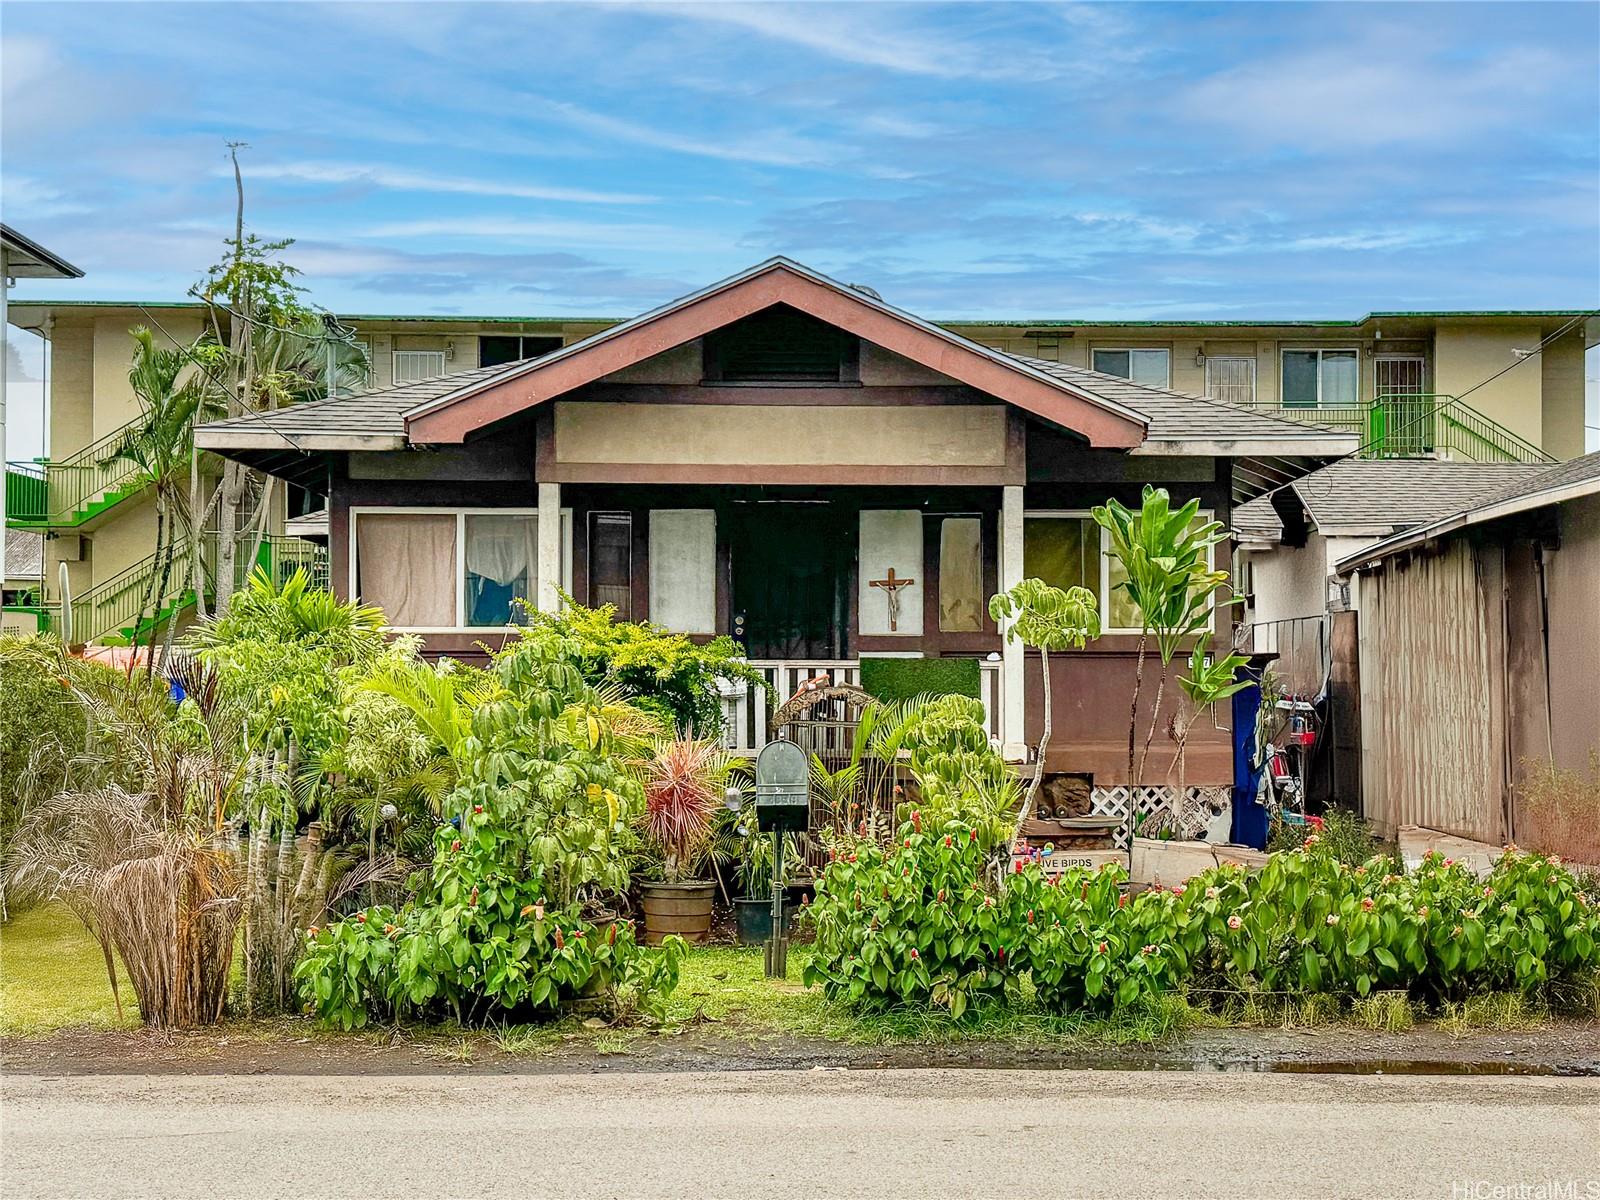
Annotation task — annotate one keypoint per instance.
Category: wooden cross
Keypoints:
(892, 586)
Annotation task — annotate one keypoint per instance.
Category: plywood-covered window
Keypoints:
(683, 569)
(961, 598)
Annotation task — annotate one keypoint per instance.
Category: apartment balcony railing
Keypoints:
(69, 492)
(1419, 425)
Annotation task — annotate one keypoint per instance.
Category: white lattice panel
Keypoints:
(1151, 809)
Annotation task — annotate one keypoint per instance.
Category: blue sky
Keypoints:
(967, 160)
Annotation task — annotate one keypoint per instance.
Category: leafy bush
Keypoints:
(511, 921)
(42, 725)
(662, 672)
(1344, 835)
(913, 923)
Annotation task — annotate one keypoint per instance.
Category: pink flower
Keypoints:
(914, 952)
(1212, 893)
(1311, 839)
(1449, 862)
(1333, 918)
(1179, 890)
(1488, 891)
(1148, 950)
(1234, 922)
(1101, 948)
(1366, 904)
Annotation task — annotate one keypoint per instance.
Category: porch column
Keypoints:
(1013, 736)
(549, 547)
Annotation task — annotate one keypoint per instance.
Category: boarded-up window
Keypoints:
(502, 567)
(683, 569)
(406, 565)
(1063, 551)
(611, 562)
(961, 575)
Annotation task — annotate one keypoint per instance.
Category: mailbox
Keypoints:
(783, 789)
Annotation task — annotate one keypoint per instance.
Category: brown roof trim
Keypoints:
(1103, 422)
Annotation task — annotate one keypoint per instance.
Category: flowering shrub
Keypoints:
(911, 923)
(1307, 922)
(1087, 945)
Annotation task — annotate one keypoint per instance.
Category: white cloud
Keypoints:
(774, 149)
(421, 181)
(593, 234)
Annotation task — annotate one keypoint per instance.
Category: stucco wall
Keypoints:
(774, 435)
(1291, 581)
(1466, 355)
(1561, 382)
(114, 402)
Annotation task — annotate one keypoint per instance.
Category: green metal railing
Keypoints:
(58, 494)
(282, 555)
(1419, 425)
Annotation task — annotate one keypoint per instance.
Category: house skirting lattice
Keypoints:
(1154, 809)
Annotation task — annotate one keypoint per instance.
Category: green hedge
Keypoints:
(891, 679)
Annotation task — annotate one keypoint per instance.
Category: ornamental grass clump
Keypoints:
(684, 786)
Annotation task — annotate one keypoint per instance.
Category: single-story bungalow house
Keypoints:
(1480, 660)
(789, 460)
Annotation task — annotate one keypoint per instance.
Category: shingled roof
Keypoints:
(1374, 497)
(1178, 422)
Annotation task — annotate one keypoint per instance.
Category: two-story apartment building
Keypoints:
(1387, 376)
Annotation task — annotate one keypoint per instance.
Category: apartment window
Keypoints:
(413, 366)
(1152, 367)
(441, 569)
(1231, 380)
(1068, 549)
(611, 562)
(1321, 378)
(496, 350)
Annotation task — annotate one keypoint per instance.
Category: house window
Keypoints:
(496, 350)
(1321, 378)
(1151, 367)
(413, 366)
(443, 569)
(611, 562)
(961, 575)
(1231, 380)
(1068, 549)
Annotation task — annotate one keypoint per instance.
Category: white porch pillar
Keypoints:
(1013, 681)
(549, 547)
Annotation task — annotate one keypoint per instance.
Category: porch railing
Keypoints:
(747, 708)
(1418, 425)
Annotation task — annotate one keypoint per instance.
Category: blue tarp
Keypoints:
(1249, 814)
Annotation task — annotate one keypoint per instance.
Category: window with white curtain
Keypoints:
(1321, 378)
(1152, 367)
(413, 366)
(444, 569)
(502, 567)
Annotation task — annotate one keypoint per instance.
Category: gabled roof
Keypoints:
(1547, 485)
(522, 386)
(1374, 497)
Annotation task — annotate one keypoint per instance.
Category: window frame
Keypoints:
(1103, 597)
(1130, 351)
(460, 572)
(1319, 351)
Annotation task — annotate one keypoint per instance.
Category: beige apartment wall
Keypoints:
(71, 396)
(1466, 355)
(1561, 381)
(114, 402)
(128, 535)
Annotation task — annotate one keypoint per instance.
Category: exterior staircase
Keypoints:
(1419, 425)
(71, 492)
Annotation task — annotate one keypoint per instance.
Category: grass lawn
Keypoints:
(52, 975)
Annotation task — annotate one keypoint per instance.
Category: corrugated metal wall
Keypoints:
(1433, 750)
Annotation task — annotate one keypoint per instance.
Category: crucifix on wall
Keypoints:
(891, 587)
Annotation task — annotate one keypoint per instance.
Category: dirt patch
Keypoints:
(295, 1047)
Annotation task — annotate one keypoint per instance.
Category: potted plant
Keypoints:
(684, 782)
(754, 908)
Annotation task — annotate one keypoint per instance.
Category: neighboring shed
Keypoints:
(1480, 657)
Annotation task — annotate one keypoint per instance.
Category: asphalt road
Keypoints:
(778, 1134)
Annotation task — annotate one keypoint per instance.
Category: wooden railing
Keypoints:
(747, 708)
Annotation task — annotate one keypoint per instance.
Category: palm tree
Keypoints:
(175, 391)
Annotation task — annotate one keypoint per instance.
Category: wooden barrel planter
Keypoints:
(680, 908)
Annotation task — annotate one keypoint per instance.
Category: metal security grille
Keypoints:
(413, 366)
(1231, 380)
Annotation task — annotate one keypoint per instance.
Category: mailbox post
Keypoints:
(783, 805)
